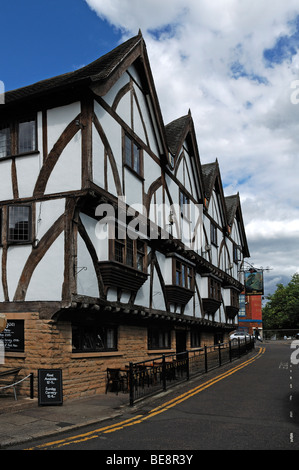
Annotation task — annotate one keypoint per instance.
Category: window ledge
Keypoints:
(81, 355)
(160, 351)
(15, 354)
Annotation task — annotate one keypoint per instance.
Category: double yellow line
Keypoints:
(160, 409)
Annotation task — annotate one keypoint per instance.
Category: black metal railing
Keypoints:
(149, 377)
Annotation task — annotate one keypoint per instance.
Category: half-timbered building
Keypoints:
(117, 244)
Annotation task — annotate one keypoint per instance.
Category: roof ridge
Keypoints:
(117, 55)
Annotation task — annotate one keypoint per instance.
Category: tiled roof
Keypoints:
(174, 132)
(231, 203)
(99, 70)
(208, 173)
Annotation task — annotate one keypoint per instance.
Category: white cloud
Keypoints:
(210, 57)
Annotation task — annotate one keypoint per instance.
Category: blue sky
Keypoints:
(49, 37)
(232, 62)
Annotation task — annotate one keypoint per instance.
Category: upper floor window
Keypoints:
(214, 289)
(5, 143)
(236, 253)
(19, 224)
(26, 136)
(183, 275)
(234, 298)
(18, 137)
(184, 205)
(133, 155)
(130, 252)
(213, 234)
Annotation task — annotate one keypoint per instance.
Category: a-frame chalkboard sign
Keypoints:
(50, 387)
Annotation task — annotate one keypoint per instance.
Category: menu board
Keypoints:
(13, 336)
(50, 387)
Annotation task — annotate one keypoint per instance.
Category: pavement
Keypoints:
(24, 420)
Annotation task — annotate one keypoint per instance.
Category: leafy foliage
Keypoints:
(282, 308)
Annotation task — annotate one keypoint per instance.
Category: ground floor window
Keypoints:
(93, 338)
(218, 338)
(195, 339)
(159, 338)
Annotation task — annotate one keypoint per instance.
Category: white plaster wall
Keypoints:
(47, 279)
(67, 173)
(17, 256)
(87, 283)
(111, 186)
(112, 294)
(165, 267)
(133, 188)
(113, 133)
(189, 310)
(97, 234)
(147, 121)
(28, 168)
(47, 212)
(98, 159)
(152, 171)
(143, 294)
(124, 109)
(58, 119)
(6, 191)
(110, 96)
(135, 75)
(137, 123)
(158, 298)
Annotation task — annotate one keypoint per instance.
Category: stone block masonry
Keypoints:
(48, 345)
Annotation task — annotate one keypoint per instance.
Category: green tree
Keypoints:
(282, 308)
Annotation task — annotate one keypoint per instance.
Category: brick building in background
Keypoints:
(250, 314)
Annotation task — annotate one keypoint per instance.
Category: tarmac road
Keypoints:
(253, 405)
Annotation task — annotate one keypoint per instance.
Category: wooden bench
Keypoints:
(8, 377)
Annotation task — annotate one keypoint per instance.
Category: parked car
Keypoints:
(240, 335)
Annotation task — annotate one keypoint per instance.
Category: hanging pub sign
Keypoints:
(254, 282)
(50, 387)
